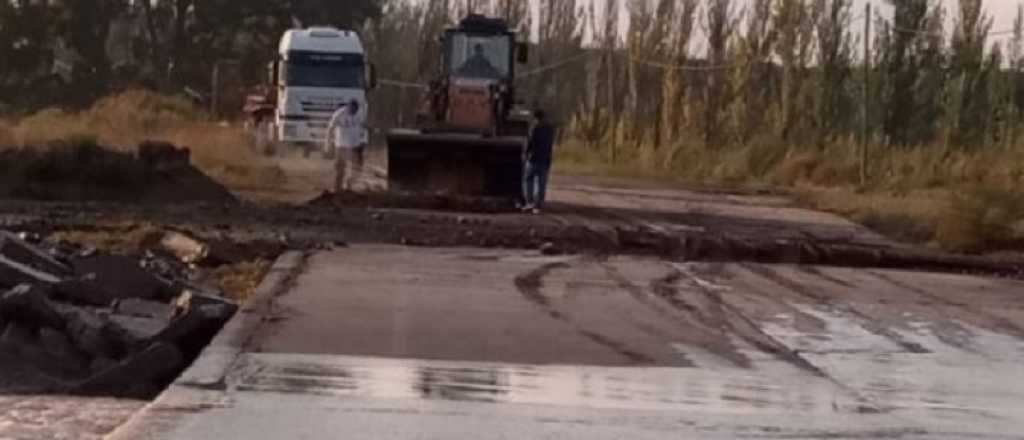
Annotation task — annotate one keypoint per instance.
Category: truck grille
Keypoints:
(320, 107)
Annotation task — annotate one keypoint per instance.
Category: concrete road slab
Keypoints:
(408, 343)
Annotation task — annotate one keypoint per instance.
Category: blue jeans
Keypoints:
(535, 183)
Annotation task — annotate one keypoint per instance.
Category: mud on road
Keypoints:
(586, 215)
(567, 227)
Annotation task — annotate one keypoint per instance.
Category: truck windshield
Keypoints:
(479, 56)
(317, 69)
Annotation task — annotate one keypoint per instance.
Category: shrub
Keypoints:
(984, 218)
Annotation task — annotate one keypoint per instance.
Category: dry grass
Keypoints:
(239, 281)
(960, 200)
(911, 217)
(983, 219)
(118, 238)
(123, 121)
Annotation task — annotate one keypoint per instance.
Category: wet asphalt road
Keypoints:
(395, 343)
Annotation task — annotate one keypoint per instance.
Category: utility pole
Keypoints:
(865, 125)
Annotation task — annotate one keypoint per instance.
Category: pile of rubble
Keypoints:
(80, 170)
(101, 324)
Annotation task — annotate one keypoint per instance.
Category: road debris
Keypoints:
(101, 324)
(187, 249)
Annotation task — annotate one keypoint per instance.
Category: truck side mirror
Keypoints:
(272, 73)
(371, 74)
(523, 52)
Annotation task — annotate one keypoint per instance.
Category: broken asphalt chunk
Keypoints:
(134, 330)
(13, 273)
(144, 308)
(19, 341)
(15, 249)
(121, 276)
(149, 366)
(88, 331)
(84, 290)
(30, 305)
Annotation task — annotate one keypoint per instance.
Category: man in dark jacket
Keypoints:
(539, 149)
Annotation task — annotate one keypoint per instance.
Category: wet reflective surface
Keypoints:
(402, 343)
(660, 389)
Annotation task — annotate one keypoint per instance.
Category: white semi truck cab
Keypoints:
(317, 70)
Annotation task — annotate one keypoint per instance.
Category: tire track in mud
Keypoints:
(811, 270)
(866, 322)
(746, 329)
(997, 322)
(688, 330)
(711, 332)
(726, 319)
(530, 285)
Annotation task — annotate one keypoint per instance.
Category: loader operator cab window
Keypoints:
(318, 69)
(479, 56)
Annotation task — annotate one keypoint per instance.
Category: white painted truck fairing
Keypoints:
(319, 69)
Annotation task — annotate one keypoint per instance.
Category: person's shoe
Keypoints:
(535, 211)
(527, 208)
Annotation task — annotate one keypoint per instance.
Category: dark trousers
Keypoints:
(535, 182)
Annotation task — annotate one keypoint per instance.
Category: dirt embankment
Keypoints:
(81, 170)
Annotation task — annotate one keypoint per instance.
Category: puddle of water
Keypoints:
(949, 383)
(670, 389)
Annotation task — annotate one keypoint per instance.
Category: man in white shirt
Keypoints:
(345, 137)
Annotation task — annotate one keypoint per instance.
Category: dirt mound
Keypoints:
(82, 170)
(429, 202)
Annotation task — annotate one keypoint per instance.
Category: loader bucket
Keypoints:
(455, 164)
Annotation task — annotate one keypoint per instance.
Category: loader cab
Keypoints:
(479, 56)
(480, 48)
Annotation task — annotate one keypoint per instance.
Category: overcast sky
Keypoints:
(1003, 11)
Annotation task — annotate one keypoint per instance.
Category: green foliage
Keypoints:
(61, 50)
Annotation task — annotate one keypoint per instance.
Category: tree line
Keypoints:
(724, 72)
(711, 73)
(70, 52)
